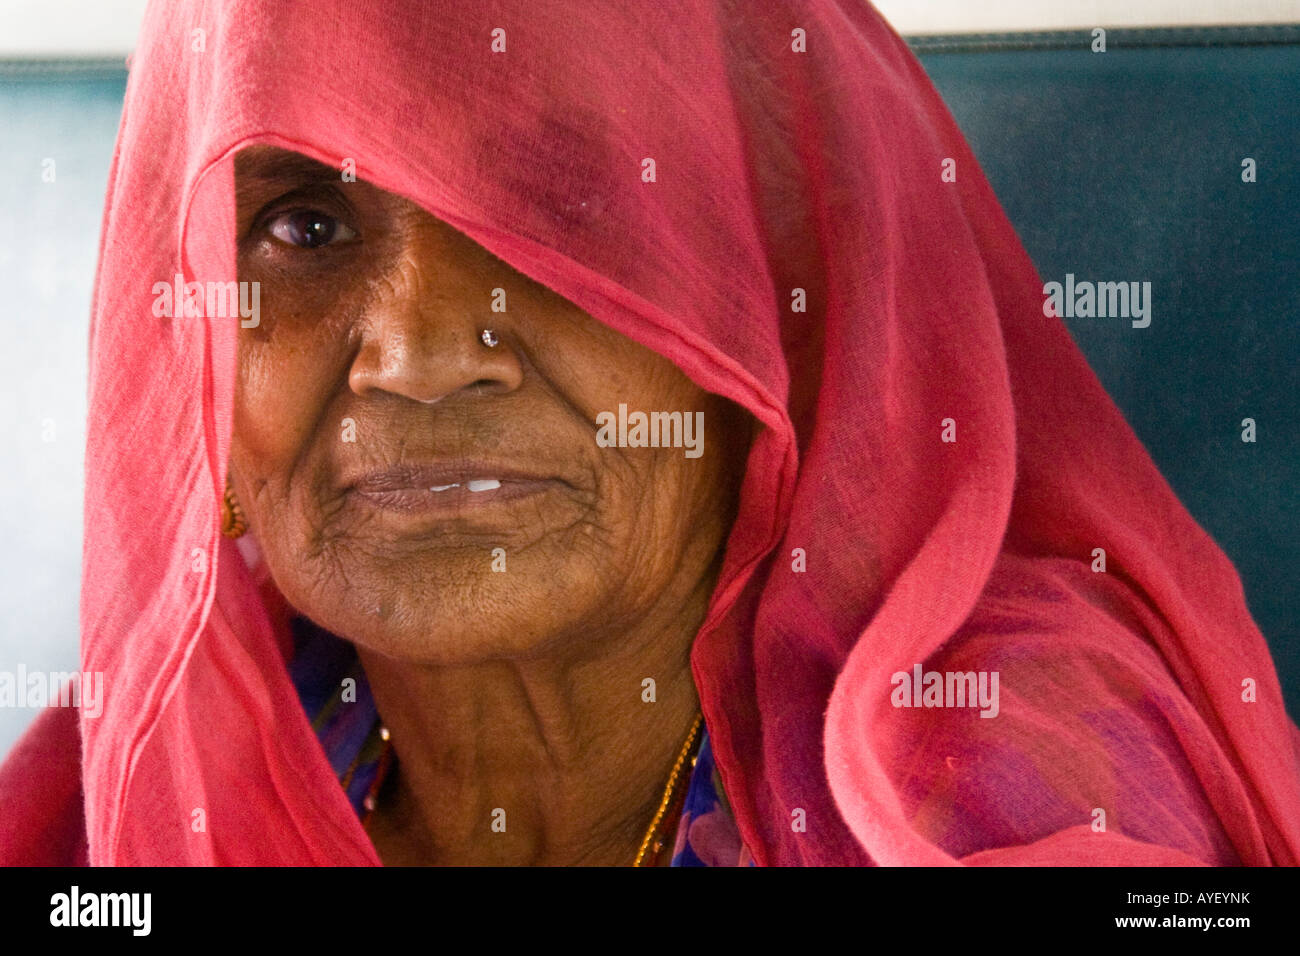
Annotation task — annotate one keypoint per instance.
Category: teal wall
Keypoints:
(49, 240)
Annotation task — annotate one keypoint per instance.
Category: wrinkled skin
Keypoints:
(520, 689)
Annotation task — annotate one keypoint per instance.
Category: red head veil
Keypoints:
(795, 146)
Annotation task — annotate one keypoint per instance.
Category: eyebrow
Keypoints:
(287, 167)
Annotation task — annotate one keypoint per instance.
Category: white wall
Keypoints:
(108, 27)
(69, 27)
(996, 16)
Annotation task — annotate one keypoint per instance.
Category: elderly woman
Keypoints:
(638, 439)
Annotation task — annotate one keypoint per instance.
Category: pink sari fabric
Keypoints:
(796, 146)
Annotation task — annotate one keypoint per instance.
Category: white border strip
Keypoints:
(108, 28)
(918, 17)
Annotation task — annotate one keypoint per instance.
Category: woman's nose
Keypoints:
(422, 333)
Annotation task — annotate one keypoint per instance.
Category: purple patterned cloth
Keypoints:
(707, 834)
(347, 724)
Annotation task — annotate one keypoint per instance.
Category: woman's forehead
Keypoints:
(264, 172)
(271, 163)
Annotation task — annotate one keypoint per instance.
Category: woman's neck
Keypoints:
(535, 762)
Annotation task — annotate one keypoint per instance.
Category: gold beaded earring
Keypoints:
(233, 523)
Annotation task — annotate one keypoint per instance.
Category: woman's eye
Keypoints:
(309, 229)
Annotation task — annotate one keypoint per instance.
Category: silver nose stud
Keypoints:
(489, 338)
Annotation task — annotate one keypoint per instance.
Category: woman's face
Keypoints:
(366, 384)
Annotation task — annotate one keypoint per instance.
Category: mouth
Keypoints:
(450, 490)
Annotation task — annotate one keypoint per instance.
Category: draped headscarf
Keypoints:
(755, 191)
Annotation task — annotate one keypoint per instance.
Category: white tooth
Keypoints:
(444, 487)
(483, 484)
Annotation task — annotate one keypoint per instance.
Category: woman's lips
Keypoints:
(456, 498)
(456, 492)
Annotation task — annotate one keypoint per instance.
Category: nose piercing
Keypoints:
(489, 338)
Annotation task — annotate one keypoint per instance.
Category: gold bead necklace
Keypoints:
(653, 833)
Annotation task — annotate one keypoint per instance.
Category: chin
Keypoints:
(451, 623)
(451, 595)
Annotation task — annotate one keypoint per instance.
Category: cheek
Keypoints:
(292, 364)
(281, 404)
(654, 498)
(271, 410)
(656, 508)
